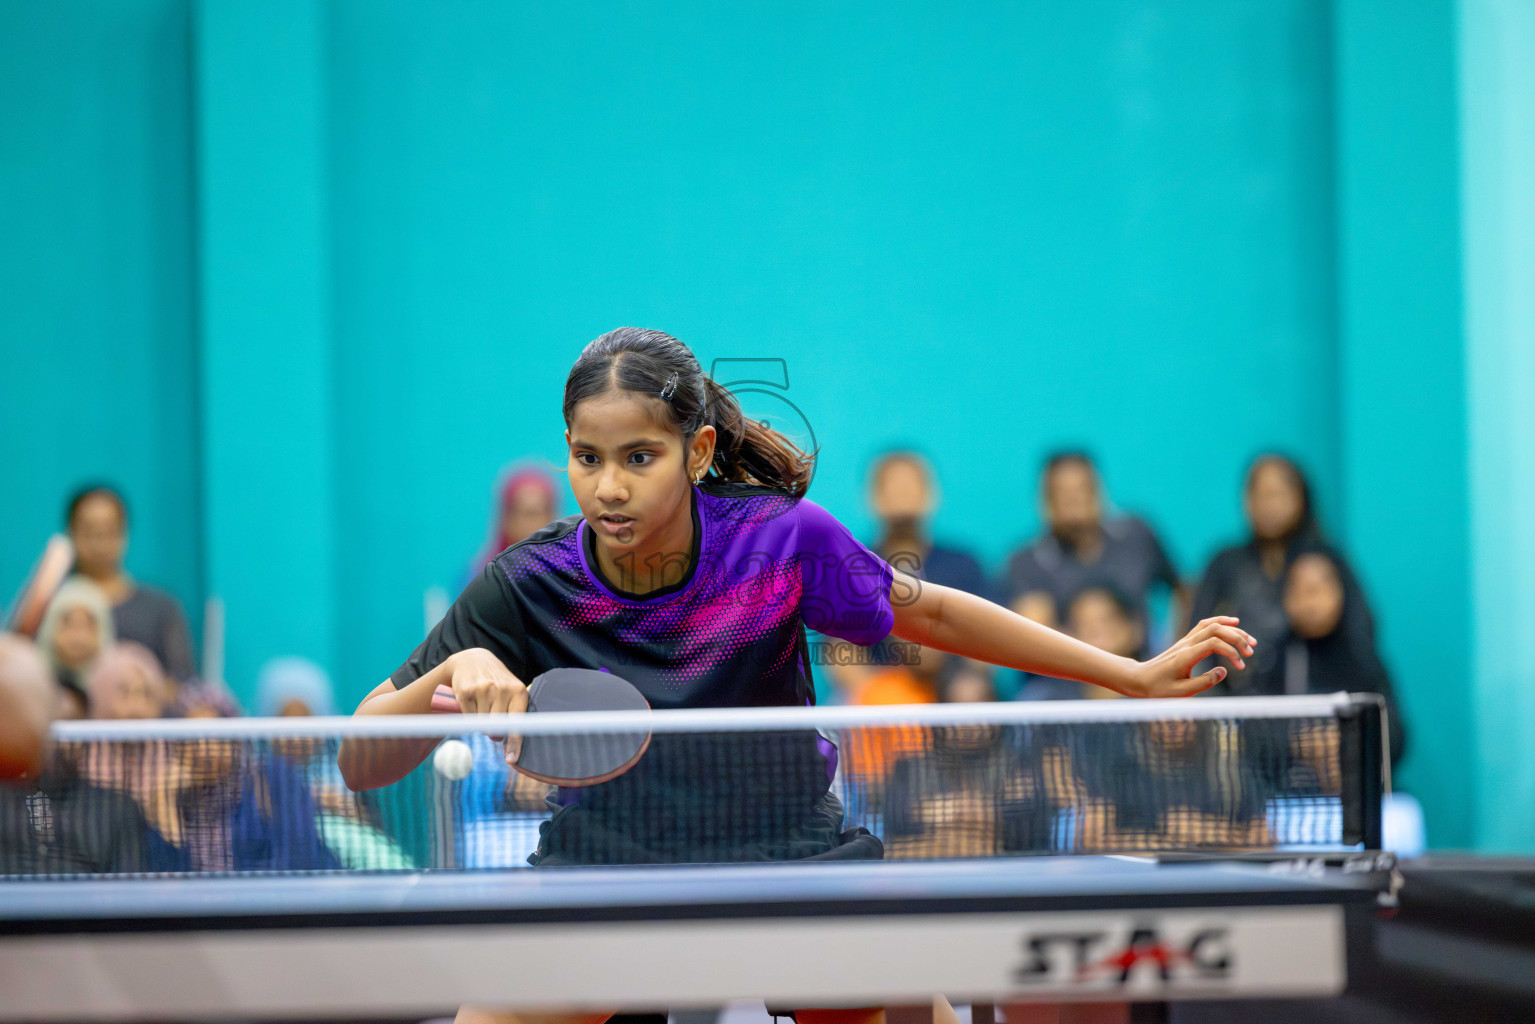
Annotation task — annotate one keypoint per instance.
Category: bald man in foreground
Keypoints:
(27, 703)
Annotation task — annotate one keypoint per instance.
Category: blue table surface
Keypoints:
(343, 893)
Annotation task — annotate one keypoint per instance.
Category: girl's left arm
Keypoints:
(960, 623)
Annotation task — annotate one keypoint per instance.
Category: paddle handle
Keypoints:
(443, 701)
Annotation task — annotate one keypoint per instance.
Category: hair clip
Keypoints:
(670, 389)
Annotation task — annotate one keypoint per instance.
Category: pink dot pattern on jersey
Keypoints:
(746, 586)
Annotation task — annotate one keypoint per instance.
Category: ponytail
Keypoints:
(654, 363)
(745, 449)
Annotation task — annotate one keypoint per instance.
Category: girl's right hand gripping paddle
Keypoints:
(574, 759)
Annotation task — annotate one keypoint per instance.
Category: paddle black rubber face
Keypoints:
(582, 760)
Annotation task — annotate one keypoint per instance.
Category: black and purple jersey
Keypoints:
(729, 633)
(726, 635)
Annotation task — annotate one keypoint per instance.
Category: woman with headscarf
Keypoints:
(1246, 580)
(220, 804)
(1326, 648)
(526, 501)
(244, 808)
(347, 825)
(293, 688)
(76, 629)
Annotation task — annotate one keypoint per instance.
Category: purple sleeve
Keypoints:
(846, 587)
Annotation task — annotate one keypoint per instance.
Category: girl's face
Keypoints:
(78, 638)
(632, 475)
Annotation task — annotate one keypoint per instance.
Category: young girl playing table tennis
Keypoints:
(691, 570)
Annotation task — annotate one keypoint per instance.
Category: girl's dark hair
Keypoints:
(655, 363)
(1306, 527)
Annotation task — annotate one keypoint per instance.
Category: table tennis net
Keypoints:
(267, 795)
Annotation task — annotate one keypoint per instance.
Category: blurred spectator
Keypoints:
(1081, 546)
(1153, 785)
(1105, 617)
(127, 683)
(869, 751)
(1245, 580)
(75, 631)
(220, 804)
(28, 703)
(238, 808)
(526, 501)
(1102, 616)
(97, 519)
(1322, 652)
(199, 699)
(969, 794)
(293, 687)
(903, 495)
(59, 822)
(1166, 784)
(348, 823)
(958, 685)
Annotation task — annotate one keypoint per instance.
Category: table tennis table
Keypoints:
(398, 945)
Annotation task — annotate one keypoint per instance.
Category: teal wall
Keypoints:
(1403, 411)
(304, 275)
(267, 384)
(1111, 226)
(1497, 110)
(97, 298)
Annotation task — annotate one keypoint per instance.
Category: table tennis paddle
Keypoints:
(574, 759)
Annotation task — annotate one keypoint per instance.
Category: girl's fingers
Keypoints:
(1235, 637)
(500, 702)
(1231, 634)
(1202, 682)
(1215, 645)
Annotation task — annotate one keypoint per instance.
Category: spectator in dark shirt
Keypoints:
(97, 519)
(1081, 548)
(969, 794)
(59, 823)
(1245, 580)
(1166, 784)
(903, 495)
(221, 805)
(76, 630)
(1322, 652)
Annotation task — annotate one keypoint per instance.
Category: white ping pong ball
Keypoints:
(453, 760)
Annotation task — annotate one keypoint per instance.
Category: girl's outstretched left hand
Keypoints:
(1169, 674)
